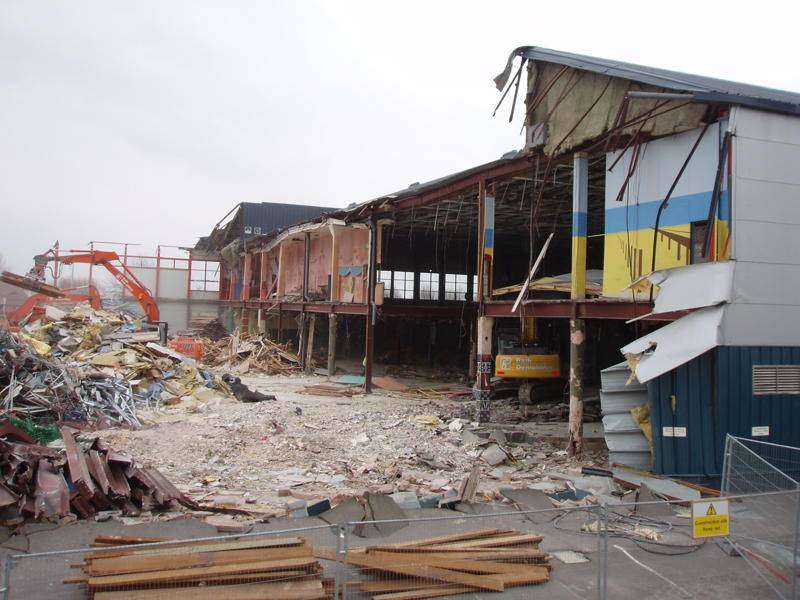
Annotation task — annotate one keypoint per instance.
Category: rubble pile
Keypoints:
(92, 366)
(242, 354)
(312, 447)
(213, 330)
(46, 482)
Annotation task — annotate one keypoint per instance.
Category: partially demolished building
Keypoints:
(650, 211)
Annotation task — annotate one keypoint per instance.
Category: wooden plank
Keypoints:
(140, 564)
(189, 546)
(511, 574)
(511, 540)
(443, 539)
(293, 590)
(472, 566)
(430, 592)
(395, 585)
(124, 540)
(198, 573)
(484, 582)
(478, 553)
(324, 553)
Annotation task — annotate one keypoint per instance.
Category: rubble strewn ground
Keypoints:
(325, 447)
(276, 436)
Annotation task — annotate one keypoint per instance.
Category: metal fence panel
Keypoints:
(765, 521)
(642, 550)
(45, 575)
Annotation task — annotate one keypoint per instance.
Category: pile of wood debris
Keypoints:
(244, 569)
(40, 481)
(242, 354)
(486, 560)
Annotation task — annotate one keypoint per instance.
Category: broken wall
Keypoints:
(353, 251)
(319, 267)
(630, 221)
(293, 267)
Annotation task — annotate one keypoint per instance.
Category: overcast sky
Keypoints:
(147, 121)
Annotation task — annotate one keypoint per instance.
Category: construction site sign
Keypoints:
(710, 518)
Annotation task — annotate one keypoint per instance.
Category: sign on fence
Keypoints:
(710, 518)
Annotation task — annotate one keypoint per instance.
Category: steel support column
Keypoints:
(332, 320)
(482, 389)
(369, 335)
(577, 327)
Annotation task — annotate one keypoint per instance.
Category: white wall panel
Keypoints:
(768, 242)
(767, 201)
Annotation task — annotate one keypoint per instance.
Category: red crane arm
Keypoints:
(125, 276)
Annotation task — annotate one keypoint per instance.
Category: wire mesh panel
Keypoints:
(753, 467)
(764, 523)
(504, 554)
(278, 564)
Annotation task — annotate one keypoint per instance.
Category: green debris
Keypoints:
(44, 434)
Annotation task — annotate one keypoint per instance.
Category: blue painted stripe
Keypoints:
(488, 238)
(579, 220)
(681, 210)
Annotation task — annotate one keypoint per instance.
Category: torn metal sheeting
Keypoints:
(675, 344)
(38, 481)
(693, 286)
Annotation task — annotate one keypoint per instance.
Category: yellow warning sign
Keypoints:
(710, 518)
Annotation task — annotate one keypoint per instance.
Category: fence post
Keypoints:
(726, 464)
(602, 552)
(344, 534)
(7, 578)
(342, 542)
(604, 539)
(796, 545)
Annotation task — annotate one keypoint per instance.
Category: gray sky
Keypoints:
(147, 121)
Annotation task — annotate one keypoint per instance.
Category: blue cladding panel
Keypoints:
(270, 216)
(713, 397)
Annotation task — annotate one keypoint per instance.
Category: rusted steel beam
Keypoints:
(514, 167)
(454, 310)
(587, 309)
(30, 284)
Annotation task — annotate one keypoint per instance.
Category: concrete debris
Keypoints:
(494, 455)
(456, 425)
(530, 499)
(335, 448)
(569, 557)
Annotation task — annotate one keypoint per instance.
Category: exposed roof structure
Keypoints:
(704, 89)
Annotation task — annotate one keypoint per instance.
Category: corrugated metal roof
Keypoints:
(264, 217)
(705, 89)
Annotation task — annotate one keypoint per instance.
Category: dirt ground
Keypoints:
(324, 447)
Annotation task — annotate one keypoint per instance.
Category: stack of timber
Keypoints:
(243, 569)
(486, 560)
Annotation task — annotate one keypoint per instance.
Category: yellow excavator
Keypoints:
(537, 367)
